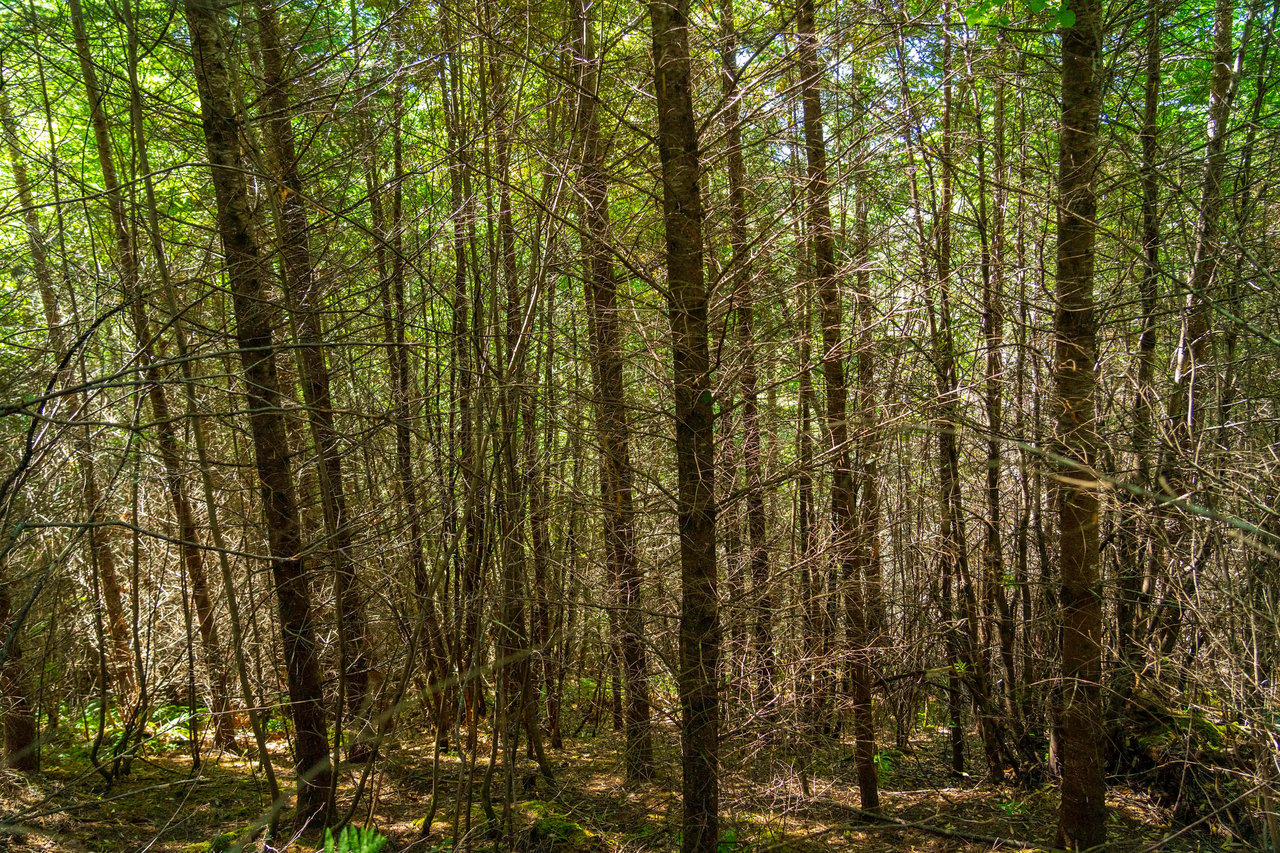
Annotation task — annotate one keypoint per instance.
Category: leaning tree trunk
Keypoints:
(305, 297)
(255, 323)
(1083, 818)
(694, 423)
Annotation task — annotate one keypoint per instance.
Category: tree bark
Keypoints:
(1083, 817)
(255, 325)
(694, 423)
(616, 478)
(830, 299)
(305, 299)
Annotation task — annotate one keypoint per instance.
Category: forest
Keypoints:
(583, 425)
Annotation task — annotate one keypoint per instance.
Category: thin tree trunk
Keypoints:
(103, 558)
(1187, 401)
(175, 485)
(305, 301)
(946, 593)
(187, 366)
(1189, 397)
(611, 406)
(991, 225)
(21, 749)
(870, 513)
(955, 540)
(742, 283)
(831, 302)
(1083, 818)
(1133, 594)
(471, 554)
(513, 634)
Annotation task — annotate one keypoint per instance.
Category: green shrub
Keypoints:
(353, 839)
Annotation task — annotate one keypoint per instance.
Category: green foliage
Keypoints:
(554, 832)
(224, 842)
(354, 839)
(1013, 807)
(996, 13)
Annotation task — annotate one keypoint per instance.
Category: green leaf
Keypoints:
(1066, 18)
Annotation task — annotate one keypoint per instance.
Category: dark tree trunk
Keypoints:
(305, 302)
(1083, 819)
(255, 317)
(694, 423)
(611, 407)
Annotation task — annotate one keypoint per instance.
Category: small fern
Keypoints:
(353, 839)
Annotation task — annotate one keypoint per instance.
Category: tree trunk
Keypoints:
(616, 476)
(1083, 818)
(21, 749)
(1189, 397)
(1133, 592)
(471, 554)
(742, 283)
(255, 324)
(833, 357)
(694, 423)
(175, 485)
(305, 299)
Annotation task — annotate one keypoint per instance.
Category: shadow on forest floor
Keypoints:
(160, 806)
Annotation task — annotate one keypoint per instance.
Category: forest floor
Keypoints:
(162, 806)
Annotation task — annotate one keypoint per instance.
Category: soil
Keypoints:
(162, 806)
